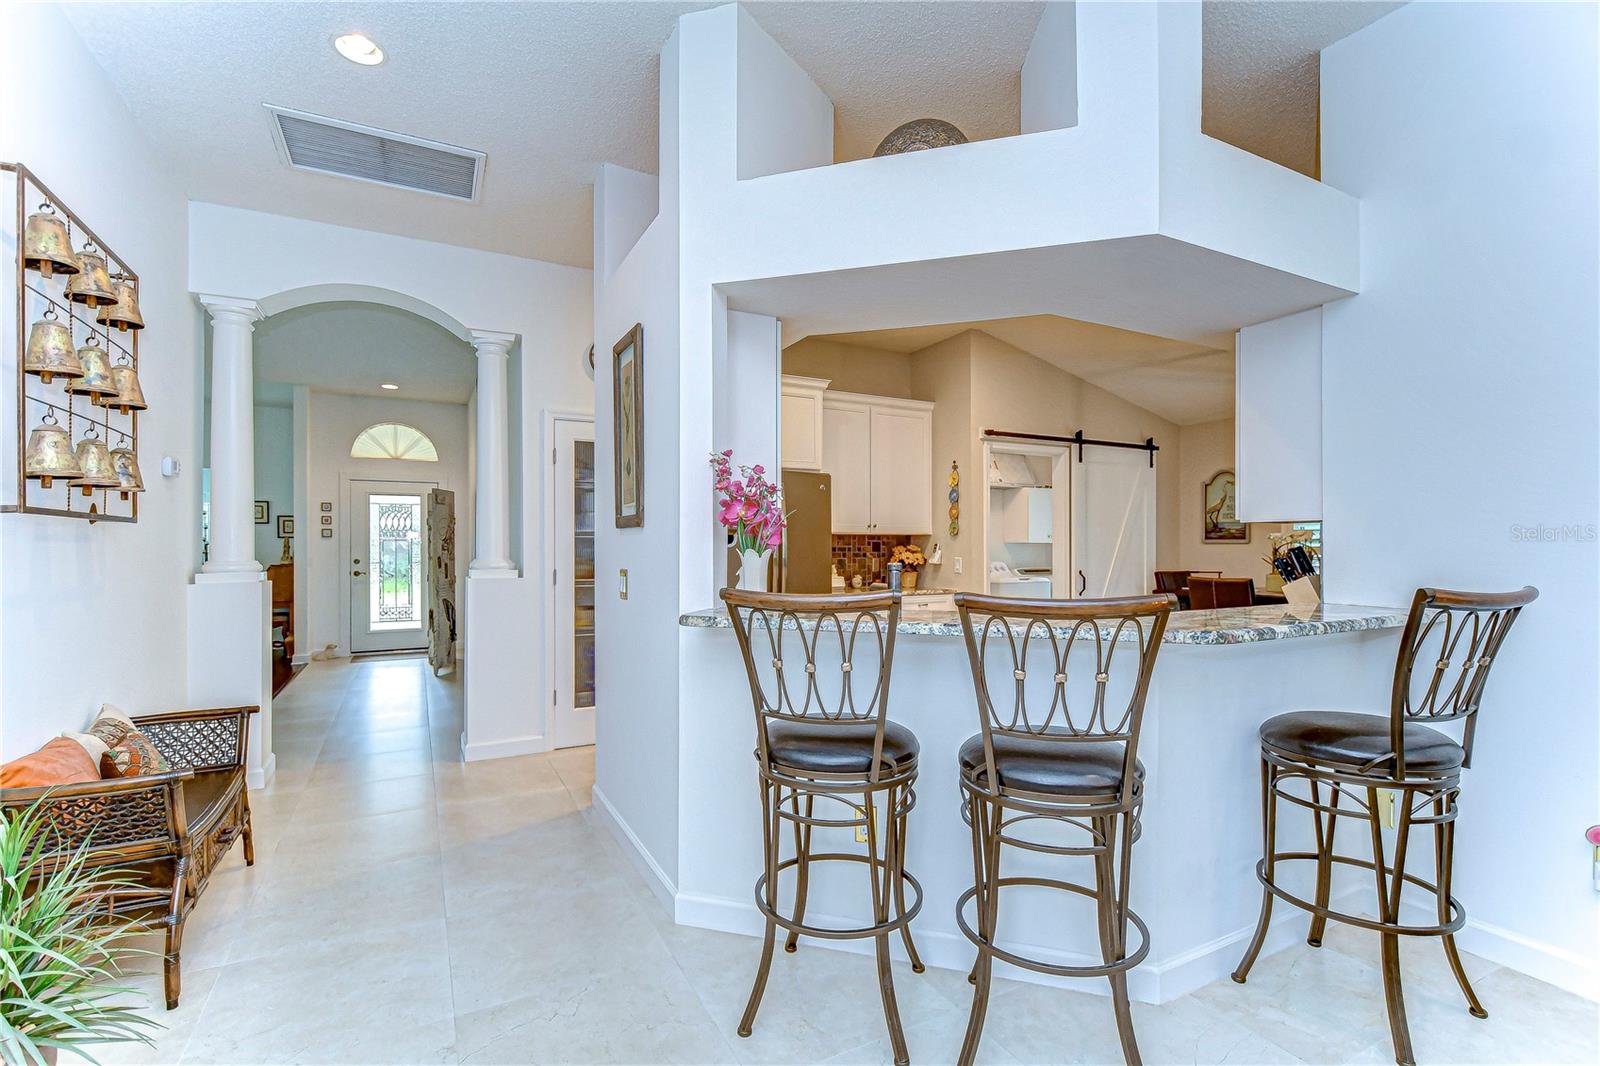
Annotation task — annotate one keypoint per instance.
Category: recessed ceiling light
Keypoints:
(359, 48)
(391, 386)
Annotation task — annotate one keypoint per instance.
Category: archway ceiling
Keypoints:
(353, 347)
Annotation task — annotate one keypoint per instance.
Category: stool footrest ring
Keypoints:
(1457, 911)
(1127, 962)
(858, 933)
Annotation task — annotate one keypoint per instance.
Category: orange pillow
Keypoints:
(60, 762)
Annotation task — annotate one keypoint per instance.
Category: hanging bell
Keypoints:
(91, 285)
(124, 314)
(129, 397)
(126, 465)
(46, 247)
(50, 350)
(95, 381)
(50, 453)
(94, 460)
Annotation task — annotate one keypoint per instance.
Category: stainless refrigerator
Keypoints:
(807, 564)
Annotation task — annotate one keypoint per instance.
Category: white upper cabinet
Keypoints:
(880, 453)
(846, 454)
(1025, 515)
(800, 421)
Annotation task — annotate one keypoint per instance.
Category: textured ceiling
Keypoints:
(550, 90)
(353, 347)
(1261, 77)
(1182, 382)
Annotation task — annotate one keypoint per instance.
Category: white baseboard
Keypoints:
(638, 854)
(1148, 983)
(300, 659)
(1554, 965)
(501, 749)
(259, 779)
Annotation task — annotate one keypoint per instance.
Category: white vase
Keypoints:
(753, 569)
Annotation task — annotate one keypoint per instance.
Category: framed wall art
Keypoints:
(327, 534)
(1218, 495)
(627, 430)
(263, 512)
(286, 525)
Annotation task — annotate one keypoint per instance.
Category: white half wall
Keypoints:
(64, 581)
(1460, 415)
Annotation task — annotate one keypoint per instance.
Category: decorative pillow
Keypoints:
(133, 756)
(60, 762)
(91, 744)
(111, 725)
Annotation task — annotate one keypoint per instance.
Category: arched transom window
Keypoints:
(391, 440)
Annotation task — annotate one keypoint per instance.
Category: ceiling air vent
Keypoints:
(351, 150)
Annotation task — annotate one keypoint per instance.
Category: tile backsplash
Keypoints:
(866, 554)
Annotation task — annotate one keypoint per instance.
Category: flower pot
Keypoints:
(753, 569)
(908, 581)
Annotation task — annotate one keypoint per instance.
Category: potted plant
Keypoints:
(59, 953)
(911, 560)
(751, 510)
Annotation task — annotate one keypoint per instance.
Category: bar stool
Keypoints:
(1072, 762)
(1455, 637)
(822, 732)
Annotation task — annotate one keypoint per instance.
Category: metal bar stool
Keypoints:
(822, 732)
(1071, 762)
(1346, 760)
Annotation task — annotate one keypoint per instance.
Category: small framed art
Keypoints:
(263, 512)
(286, 525)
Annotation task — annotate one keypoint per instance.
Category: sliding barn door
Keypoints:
(1113, 524)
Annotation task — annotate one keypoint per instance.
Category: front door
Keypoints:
(1113, 523)
(388, 566)
(573, 579)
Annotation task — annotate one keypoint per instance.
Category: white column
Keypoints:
(232, 436)
(492, 509)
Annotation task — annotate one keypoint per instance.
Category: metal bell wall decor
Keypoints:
(50, 454)
(91, 285)
(96, 381)
(129, 397)
(46, 246)
(76, 336)
(50, 349)
(124, 314)
(94, 461)
(126, 465)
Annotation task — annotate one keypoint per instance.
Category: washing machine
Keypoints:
(1028, 583)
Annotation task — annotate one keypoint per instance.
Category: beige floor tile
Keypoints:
(177, 1025)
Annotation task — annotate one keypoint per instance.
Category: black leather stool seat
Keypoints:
(838, 747)
(1352, 739)
(1027, 764)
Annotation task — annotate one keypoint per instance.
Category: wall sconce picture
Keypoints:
(327, 519)
(286, 525)
(327, 534)
(326, 506)
(263, 509)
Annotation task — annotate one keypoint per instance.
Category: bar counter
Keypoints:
(1219, 674)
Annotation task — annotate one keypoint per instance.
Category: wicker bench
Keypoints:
(168, 831)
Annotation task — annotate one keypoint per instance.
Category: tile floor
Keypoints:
(405, 908)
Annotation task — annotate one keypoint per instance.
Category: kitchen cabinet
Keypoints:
(879, 451)
(1026, 515)
(800, 422)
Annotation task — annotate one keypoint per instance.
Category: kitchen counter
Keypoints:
(1218, 676)
(1232, 625)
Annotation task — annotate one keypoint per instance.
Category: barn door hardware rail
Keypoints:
(1079, 440)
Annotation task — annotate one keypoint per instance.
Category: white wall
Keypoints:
(1277, 404)
(62, 581)
(334, 421)
(275, 477)
(1459, 411)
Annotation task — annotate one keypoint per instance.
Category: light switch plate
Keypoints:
(622, 584)
(958, 564)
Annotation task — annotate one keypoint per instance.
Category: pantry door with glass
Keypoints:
(388, 565)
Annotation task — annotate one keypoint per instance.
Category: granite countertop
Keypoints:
(1233, 625)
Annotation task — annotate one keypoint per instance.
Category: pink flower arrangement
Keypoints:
(751, 507)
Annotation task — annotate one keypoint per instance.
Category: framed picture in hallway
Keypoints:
(263, 512)
(286, 525)
(627, 426)
(1221, 526)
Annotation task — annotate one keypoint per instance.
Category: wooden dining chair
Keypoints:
(1171, 582)
(1214, 593)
